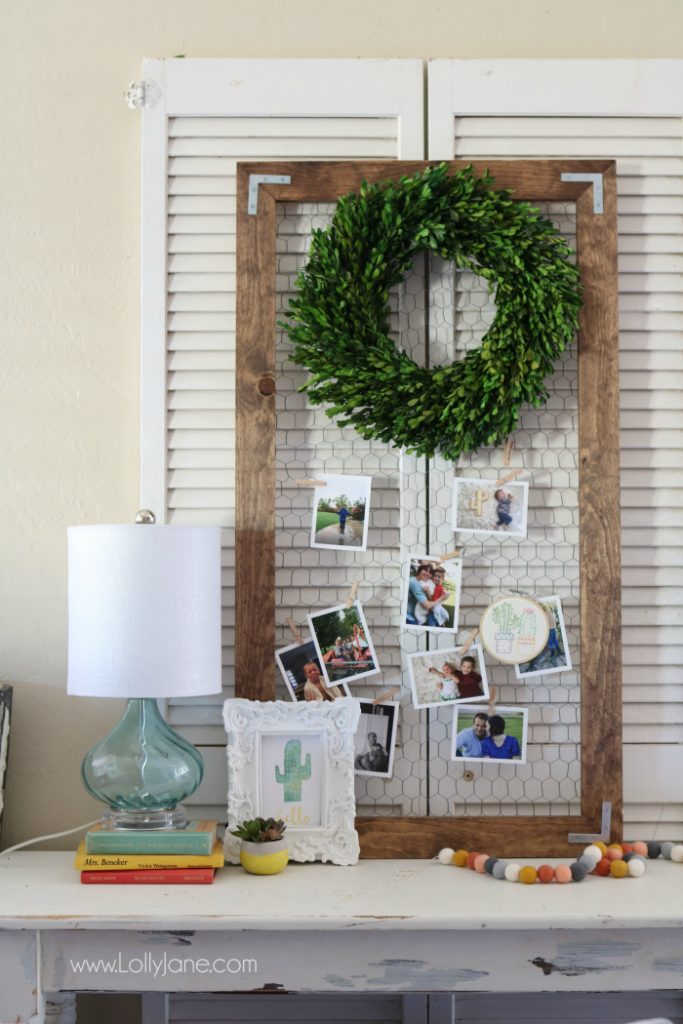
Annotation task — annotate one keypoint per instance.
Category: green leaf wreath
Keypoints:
(339, 320)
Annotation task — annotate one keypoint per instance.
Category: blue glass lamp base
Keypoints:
(147, 820)
(142, 770)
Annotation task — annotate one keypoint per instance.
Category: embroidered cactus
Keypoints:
(295, 772)
(478, 499)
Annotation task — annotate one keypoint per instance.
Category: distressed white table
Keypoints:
(381, 926)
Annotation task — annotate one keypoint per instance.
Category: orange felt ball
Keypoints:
(627, 847)
(546, 873)
(563, 873)
(471, 857)
(603, 866)
(460, 858)
(618, 869)
(613, 854)
(640, 848)
(528, 875)
(479, 863)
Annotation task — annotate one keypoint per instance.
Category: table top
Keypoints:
(43, 890)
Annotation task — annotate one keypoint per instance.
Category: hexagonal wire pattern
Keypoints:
(411, 511)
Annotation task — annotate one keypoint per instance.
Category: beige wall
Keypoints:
(69, 272)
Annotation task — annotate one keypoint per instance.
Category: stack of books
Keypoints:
(188, 856)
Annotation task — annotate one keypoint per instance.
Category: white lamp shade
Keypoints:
(144, 611)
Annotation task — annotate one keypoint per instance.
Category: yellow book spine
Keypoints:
(133, 861)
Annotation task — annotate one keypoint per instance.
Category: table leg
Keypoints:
(19, 989)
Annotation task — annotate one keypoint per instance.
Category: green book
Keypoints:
(198, 839)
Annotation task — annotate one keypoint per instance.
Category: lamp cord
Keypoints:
(53, 835)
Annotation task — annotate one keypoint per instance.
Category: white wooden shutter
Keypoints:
(200, 118)
(631, 111)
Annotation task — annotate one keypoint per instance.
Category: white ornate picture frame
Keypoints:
(319, 807)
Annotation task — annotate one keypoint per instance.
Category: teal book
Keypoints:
(198, 839)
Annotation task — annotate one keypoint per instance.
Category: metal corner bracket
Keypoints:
(263, 179)
(605, 828)
(596, 182)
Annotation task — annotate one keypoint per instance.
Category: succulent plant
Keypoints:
(260, 830)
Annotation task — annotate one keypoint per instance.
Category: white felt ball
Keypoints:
(677, 854)
(512, 872)
(446, 855)
(636, 867)
(594, 852)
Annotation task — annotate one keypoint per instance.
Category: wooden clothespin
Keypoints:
(456, 553)
(295, 631)
(352, 594)
(310, 483)
(493, 692)
(387, 695)
(507, 450)
(509, 476)
(469, 640)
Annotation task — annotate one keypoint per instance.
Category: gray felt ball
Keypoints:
(499, 869)
(666, 850)
(627, 857)
(488, 865)
(578, 871)
(654, 850)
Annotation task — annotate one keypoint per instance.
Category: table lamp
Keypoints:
(144, 623)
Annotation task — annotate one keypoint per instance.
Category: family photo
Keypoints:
(343, 643)
(432, 593)
(555, 656)
(300, 669)
(448, 676)
(481, 736)
(341, 511)
(484, 509)
(375, 738)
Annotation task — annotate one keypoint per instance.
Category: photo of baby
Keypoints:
(432, 593)
(483, 509)
(449, 676)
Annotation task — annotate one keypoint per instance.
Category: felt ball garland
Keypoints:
(618, 860)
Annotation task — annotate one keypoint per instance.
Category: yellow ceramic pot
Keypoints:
(264, 858)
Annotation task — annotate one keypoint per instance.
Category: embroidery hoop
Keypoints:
(508, 651)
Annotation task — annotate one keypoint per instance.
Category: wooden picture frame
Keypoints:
(598, 456)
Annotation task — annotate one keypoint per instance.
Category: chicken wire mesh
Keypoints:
(437, 314)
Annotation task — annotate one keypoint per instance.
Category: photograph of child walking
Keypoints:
(484, 509)
(341, 510)
(432, 593)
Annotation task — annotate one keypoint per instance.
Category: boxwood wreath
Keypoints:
(339, 320)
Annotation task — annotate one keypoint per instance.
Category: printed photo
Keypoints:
(341, 512)
(343, 643)
(375, 739)
(301, 671)
(481, 508)
(432, 593)
(447, 677)
(555, 656)
(480, 736)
